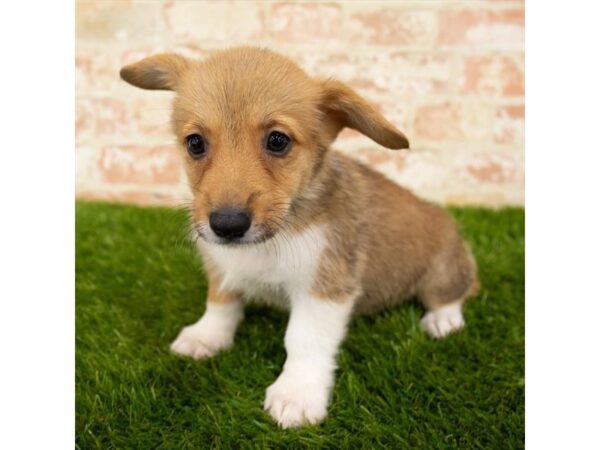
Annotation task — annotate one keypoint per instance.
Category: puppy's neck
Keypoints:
(311, 205)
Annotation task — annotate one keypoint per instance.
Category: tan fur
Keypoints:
(384, 244)
(216, 294)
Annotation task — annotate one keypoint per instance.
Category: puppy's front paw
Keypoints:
(197, 342)
(443, 321)
(293, 402)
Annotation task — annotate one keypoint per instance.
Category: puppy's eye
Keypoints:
(278, 143)
(195, 145)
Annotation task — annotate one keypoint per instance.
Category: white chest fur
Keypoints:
(284, 264)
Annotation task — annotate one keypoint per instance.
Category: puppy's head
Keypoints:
(254, 129)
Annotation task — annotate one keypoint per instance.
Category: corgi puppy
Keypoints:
(282, 218)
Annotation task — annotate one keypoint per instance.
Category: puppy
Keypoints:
(283, 218)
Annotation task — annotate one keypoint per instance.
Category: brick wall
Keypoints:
(450, 74)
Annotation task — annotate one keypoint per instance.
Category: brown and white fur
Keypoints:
(329, 237)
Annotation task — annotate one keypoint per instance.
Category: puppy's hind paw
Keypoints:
(441, 322)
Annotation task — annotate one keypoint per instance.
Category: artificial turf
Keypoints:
(138, 281)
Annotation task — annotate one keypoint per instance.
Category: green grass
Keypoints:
(138, 282)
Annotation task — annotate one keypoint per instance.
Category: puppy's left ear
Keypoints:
(345, 108)
(162, 71)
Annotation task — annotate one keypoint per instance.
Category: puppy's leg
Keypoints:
(216, 328)
(449, 282)
(315, 330)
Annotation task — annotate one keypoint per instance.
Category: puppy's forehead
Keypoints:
(254, 83)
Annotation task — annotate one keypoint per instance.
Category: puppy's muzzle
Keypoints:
(230, 223)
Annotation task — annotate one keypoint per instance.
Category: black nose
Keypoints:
(230, 223)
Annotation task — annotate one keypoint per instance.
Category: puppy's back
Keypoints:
(405, 239)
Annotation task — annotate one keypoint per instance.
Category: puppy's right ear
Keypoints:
(162, 71)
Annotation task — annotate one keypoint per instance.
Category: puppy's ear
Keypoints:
(345, 108)
(162, 71)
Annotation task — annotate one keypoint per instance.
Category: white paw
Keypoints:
(293, 402)
(443, 321)
(198, 342)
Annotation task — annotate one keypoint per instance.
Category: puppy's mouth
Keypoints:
(255, 235)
